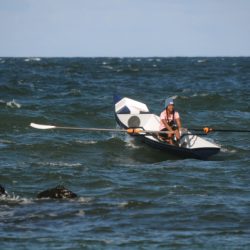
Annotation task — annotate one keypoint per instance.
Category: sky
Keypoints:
(124, 28)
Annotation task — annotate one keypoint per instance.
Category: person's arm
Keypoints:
(178, 121)
(166, 125)
(178, 131)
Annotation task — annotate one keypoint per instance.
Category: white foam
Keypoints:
(23, 83)
(107, 67)
(16, 199)
(87, 142)
(59, 164)
(84, 200)
(4, 142)
(130, 142)
(26, 201)
(34, 59)
(200, 94)
(225, 150)
(204, 94)
(123, 204)
(13, 104)
(4, 214)
(80, 213)
(201, 60)
(52, 214)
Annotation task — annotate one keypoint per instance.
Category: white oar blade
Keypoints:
(41, 126)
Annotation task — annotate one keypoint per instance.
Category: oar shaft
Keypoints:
(231, 130)
(91, 129)
(207, 130)
(129, 130)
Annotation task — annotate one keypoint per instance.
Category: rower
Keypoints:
(170, 121)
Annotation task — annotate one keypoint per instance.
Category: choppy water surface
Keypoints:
(129, 195)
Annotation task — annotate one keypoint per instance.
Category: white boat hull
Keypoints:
(130, 113)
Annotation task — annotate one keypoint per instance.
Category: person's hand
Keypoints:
(183, 131)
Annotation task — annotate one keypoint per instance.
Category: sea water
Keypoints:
(130, 196)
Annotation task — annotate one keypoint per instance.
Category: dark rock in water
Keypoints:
(59, 192)
(2, 191)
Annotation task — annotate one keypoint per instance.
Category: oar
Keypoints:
(207, 130)
(129, 130)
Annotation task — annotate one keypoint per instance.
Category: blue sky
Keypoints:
(133, 28)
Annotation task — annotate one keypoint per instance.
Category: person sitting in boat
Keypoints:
(170, 121)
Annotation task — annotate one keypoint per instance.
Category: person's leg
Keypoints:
(163, 137)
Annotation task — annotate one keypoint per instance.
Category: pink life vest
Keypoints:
(168, 118)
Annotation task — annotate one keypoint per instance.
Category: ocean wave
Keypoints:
(200, 94)
(227, 150)
(107, 67)
(5, 143)
(131, 142)
(59, 164)
(2, 145)
(13, 104)
(16, 199)
(13, 199)
(202, 61)
(71, 92)
(120, 180)
(34, 59)
(135, 204)
(86, 142)
(128, 70)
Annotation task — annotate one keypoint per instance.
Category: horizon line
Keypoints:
(219, 56)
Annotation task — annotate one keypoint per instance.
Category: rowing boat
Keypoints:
(130, 113)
